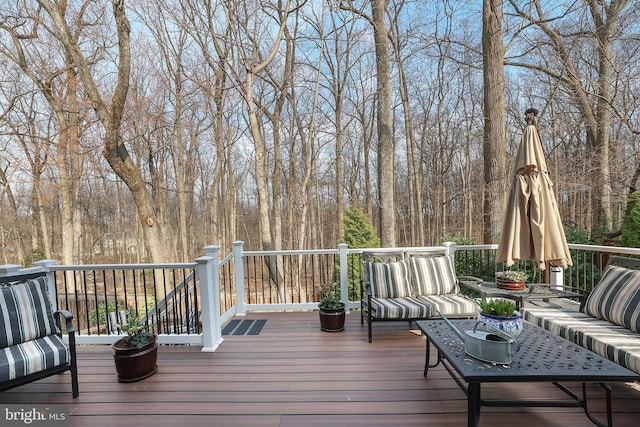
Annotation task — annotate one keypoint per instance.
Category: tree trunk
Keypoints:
(386, 149)
(494, 142)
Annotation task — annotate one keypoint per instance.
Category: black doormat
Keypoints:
(230, 326)
(244, 327)
(257, 327)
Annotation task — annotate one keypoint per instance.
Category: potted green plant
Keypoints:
(501, 314)
(511, 280)
(332, 309)
(136, 354)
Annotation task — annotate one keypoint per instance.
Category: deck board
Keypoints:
(290, 375)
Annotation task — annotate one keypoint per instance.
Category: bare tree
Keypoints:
(414, 175)
(59, 87)
(594, 105)
(110, 113)
(494, 147)
(386, 148)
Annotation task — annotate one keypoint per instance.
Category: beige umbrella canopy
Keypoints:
(532, 228)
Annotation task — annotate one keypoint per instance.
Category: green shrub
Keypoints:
(631, 224)
(358, 233)
(102, 310)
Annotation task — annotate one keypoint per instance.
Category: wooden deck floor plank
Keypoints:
(293, 375)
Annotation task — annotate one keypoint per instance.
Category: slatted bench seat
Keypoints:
(402, 285)
(31, 344)
(608, 323)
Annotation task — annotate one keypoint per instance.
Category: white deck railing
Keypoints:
(245, 281)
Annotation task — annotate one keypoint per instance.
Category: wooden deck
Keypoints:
(293, 375)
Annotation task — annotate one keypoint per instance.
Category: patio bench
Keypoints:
(412, 285)
(608, 321)
(31, 344)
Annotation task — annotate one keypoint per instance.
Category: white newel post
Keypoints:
(210, 299)
(241, 304)
(51, 281)
(344, 275)
(450, 247)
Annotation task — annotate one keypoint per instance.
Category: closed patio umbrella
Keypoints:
(532, 228)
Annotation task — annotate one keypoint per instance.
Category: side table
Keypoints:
(532, 291)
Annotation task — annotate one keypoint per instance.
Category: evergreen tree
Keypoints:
(358, 230)
(358, 233)
(631, 224)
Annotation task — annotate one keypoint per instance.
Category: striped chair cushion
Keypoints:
(562, 323)
(616, 298)
(388, 280)
(25, 312)
(455, 305)
(611, 341)
(33, 356)
(399, 308)
(433, 275)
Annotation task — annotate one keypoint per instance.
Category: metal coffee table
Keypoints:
(543, 357)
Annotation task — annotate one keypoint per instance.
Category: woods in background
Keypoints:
(146, 130)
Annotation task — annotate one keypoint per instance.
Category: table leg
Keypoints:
(426, 359)
(473, 404)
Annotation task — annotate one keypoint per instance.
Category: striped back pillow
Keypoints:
(616, 298)
(388, 279)
(25, 311)
(433, 275)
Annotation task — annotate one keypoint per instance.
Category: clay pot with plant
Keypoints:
(136, 354)
(332, 309)
(511, 280)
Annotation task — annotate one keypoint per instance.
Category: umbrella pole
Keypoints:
(545, 278)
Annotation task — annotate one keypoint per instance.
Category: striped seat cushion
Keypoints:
(33, 356)
(616, 298)
(432, 275)
(399, 308)
(455, 305)
(558, 322)
(388, 280)
(611, 341)
(25, 312)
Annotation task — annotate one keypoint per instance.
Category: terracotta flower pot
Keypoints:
(510, 285)
(135, 364)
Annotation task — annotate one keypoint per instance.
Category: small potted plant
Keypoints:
(511, 280)
(136, 354)
(332, 309)
(500, 314)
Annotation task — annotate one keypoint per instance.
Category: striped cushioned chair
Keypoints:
(31, 345)
(609, 321)
(400, 286)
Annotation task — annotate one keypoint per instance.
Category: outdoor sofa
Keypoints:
(31, 344)
(608, 322)
(412, 285)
